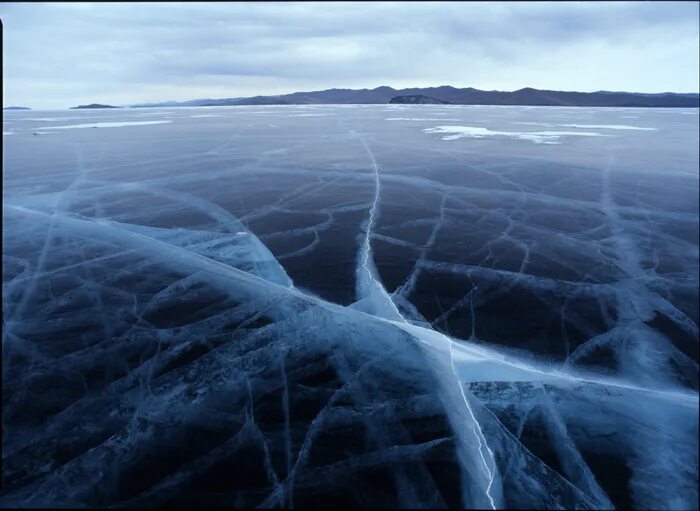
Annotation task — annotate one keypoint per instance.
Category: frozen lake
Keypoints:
(351, 305)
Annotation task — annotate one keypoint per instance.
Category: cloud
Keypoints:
(58, 55)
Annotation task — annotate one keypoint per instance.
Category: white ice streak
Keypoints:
(590, 126)
(537, 137)
(545, 124)
(53, 119)
(103, 125)
(607, 127)
(419, 119)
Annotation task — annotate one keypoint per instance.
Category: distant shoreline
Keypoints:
(444, 95)
(410, 104)
(407, 104)
(343, 104)
(452, 96)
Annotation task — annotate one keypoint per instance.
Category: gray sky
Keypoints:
(61, 55)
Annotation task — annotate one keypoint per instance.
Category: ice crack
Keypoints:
(377, 300)
(477, 433)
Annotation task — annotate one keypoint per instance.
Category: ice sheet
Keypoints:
(257, 314)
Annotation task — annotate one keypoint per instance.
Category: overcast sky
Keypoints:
(60, 55)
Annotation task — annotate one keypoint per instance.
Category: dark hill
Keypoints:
(417, 99)
(92, 105)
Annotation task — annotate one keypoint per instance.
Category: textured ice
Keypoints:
(231, 314)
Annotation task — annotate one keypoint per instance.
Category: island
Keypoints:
(417, 99)
(16, 108)
(92, 105)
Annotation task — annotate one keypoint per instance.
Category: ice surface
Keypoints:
(255, 312)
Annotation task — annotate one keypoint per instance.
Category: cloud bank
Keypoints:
(59, 55)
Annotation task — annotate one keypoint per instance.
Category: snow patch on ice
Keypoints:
(537, 137)
(590, 126)
(545, 124)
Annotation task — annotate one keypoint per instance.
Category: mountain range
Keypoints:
(452, 95)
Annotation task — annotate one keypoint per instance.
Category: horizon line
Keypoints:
(128, 105)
